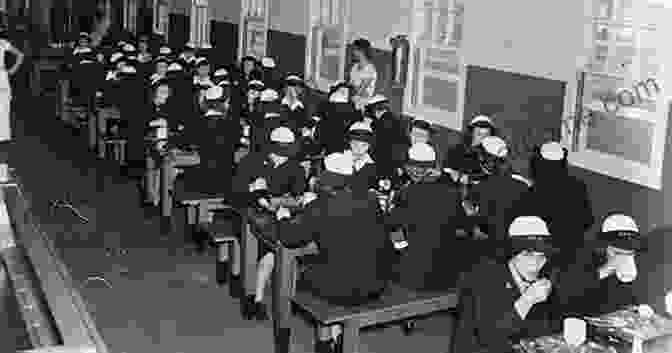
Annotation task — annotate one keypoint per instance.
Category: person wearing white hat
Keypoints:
(263, 180)
(603, 277)
(572, 218)
(250, 70)
(360, 141)
(344, 225)
(497, 190)
(187, 57)
(462, 160)
(429, 212)
(144, 54)
(502, 302)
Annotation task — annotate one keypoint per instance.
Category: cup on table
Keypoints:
(668, 302)
(574, 331)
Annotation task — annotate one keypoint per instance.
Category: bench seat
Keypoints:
(396, 303)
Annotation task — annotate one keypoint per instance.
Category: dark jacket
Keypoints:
(391, 143)
(355, 252)
(288, 178)
(218, 136)
(489, 322)
(562, 201)
(429, 213)
(581, 292)
(463, 159)
(332, 129)
(365, 178)
(496, 196)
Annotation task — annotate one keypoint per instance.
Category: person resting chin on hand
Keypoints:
(602, 281)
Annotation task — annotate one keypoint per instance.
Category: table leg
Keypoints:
(249, 249)
(350, 337)
(281, 298)
(166, 199)
(93, 126)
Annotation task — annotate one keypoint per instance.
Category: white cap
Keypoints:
(175, 67)
(268, 62)
(339, 163)
(271, 115)
(128, 47)
(115, 56)
(282, 135)
(199, 60)
(619, 222)
(87, 61)
(361, 126)
(422, 152)
(256, 82)
(528, 226)
(128, 70)
(552, 151)
(215, 92)
(220, 72)
(269, 95)
(378, 98)
(121, 43)
(495, 146)
(481, 119)
(165, 50)
(293, 78)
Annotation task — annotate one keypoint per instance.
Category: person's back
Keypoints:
(429, 214)
(496, 196)
(352, 241)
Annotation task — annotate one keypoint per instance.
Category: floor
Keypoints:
(158, 295)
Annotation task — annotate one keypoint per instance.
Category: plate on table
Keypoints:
(556, 344)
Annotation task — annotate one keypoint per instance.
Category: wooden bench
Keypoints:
(396, 303)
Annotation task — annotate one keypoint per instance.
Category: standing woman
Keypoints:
(5, 87)
(363, 74)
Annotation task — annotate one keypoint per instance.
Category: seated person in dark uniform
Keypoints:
(496, 194)
(292, 101)
(429, 212)
(391, 136)
(355, 252)
(501, 303)
(602, 279)
(568, 220)
(365, 174)
(462, 160)
(334, 117)
(261, 178)
(187, 57)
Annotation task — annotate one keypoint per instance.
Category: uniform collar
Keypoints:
(360, 163)
(292, 105)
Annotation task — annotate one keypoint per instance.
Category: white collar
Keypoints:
(292, 105)
(212, 112)
(360, 163)
(522, 179)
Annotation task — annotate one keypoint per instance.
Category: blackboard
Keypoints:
(527, 110)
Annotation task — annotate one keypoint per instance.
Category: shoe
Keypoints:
(247, 307)
(222, 272)
(235, 287)
(260, 312)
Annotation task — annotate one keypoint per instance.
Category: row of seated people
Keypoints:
(543, 271)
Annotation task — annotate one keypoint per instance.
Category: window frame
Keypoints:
(316, 29)
(131, 15)
(417, 57)
(640, 173)
(199, 27)
(259, 23)
(160, 23)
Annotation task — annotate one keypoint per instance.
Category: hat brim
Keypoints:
(545, 246)
(635, 243)
(421, 164)
(365, 137)
(283, 149)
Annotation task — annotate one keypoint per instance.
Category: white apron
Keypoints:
(5, 95)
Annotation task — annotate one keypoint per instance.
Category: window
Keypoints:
(161, 20)
(254, 33)
(130, 15)
(621, 132)
(327, 37)
(199, 34)
(436, 71)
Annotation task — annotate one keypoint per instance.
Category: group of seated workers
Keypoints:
(535, 268)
